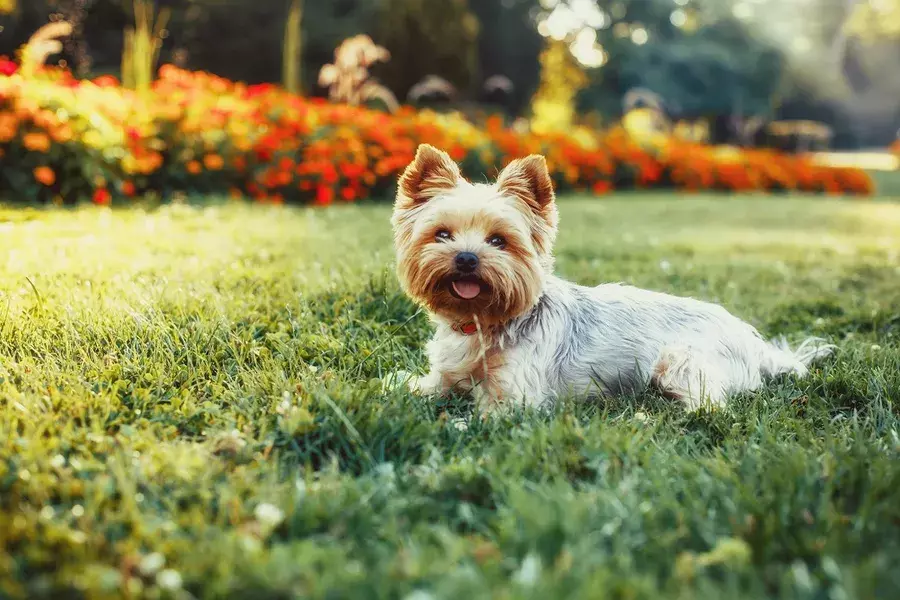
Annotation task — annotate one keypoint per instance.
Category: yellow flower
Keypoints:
(93, 139)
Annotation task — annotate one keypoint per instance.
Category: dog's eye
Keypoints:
(496, 241)
(443, 234)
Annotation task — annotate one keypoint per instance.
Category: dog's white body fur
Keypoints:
(614, 339)
(537, 337)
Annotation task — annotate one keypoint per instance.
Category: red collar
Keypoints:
(469, 328)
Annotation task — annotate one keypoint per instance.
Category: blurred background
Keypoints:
(312, 101)
(828, 70)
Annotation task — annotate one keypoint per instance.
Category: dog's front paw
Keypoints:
(429, 385)
(395, 380)
(420, 386)
(487, 404)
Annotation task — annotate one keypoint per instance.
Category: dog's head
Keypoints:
(474, 251)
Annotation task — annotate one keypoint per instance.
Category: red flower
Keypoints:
(106, 81)
(259, 89)
(324, 195)
(602, 187)
(329, 174)
(649, 173)
(352, 171)
(102, 197)
(7, 67)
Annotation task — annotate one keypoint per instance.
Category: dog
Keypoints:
(479, 258)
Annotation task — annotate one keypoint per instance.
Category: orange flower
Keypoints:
(8, 125)
(36, 142)
(61, 134)
(283, 178)
(45, 176)
(213, 162)
(310, 150)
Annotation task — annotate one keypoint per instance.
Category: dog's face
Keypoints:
(474, 251)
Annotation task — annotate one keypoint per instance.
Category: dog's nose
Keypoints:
(466, 262)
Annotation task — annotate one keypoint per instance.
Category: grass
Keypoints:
(887, 183)
(190, 406)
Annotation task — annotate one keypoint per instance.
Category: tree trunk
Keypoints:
(291, 48)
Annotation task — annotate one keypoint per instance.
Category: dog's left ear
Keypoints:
(529, 180)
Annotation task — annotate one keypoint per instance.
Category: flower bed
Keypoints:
(65, 140)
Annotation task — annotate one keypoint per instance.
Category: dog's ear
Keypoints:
(431, 172)
(528, 180)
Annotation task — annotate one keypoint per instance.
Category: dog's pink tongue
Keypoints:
(466, 289)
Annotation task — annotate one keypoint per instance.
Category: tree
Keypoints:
(291, 55)
(871, 21)
(509, 45)
(562, 78)
(700, 66)
(424, 40)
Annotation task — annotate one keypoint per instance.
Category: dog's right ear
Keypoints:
(431, 172)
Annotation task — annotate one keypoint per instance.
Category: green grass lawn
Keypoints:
(190, 406)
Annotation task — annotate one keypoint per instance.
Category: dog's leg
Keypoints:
(683, 375)
(492, 399)
(505, 391)
(427, 385)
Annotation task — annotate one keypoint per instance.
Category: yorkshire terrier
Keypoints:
(479, 258)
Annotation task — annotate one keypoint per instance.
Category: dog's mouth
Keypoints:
(467, 287)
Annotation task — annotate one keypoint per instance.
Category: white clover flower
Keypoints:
(528, 573)
(169, 579)
(151, 563)
(268, 515)
(460, 424)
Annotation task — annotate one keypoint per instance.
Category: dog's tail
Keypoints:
(783, 359)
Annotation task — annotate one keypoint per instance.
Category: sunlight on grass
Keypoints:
(190, 402)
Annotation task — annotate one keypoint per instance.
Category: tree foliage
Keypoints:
(424, 40)
(875, 20)
(509, 45)
(697, 68)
